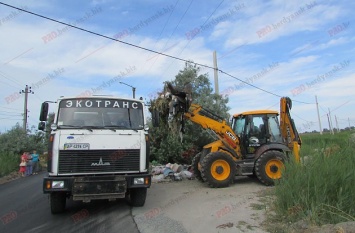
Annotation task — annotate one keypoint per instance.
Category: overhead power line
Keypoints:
(166, 43)
(339, 106)
(6, 112)
(101, 35)
(11, 108)
(142, 48)
(188, 42)
(259, 87)
(10, 79)
(10, 118)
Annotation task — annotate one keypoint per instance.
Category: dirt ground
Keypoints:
(191, 206)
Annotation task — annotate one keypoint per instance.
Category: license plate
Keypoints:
(76, 146)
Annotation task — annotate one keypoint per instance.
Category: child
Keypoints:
(23, 164)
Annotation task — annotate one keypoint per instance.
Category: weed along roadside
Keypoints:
(326, 203)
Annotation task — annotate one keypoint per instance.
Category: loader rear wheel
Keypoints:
(218, 169)
(195, 162)
(269, 166)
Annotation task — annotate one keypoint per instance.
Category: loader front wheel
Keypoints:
(218, 169)
(269, 166)
(195, 162)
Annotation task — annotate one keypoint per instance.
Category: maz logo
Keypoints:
(101, 163)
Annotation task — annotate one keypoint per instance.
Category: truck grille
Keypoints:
(96, 161)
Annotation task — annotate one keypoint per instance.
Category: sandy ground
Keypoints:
(192, 206)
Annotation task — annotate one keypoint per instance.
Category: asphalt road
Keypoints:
(24, 208)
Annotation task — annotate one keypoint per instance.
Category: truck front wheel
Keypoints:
(58, 201)
(137, 196)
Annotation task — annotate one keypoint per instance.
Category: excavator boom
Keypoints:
(206, 119)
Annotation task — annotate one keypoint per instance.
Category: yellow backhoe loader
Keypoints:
(254, 144)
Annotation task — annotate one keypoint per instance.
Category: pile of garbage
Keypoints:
(171, 172)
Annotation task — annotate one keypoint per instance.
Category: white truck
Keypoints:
(98, 149)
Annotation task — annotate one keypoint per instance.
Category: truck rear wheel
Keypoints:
(58, 201)
(195, 162)
(137, 196)
(218, 169)
(269, 166)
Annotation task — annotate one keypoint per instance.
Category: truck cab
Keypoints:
(98, 149)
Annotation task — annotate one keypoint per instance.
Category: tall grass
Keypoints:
(9, 162)
(321, 188)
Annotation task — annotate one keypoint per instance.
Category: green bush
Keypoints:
(321, 188)
(9, 162)
(13, 143)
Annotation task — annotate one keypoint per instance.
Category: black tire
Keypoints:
(218, 169)
(269, 165)
(138, 196)
(58, 201)
(195, 162)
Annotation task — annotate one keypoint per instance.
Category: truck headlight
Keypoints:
(57, 184)
(138, 181)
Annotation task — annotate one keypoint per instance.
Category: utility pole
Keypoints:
(215, 68)
(349, 122)
(25, 111)
(330, 122)
(336, 123)
(320, 124)
(330, 128)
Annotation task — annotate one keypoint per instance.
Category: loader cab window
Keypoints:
(274, 129)
(255, 129)
(238, 125)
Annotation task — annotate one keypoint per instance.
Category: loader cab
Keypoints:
(255, 129)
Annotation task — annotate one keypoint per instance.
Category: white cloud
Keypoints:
(269, 21)
(26, 33)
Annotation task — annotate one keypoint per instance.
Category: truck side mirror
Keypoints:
(44, 112)
(155, 118)
(41, 125)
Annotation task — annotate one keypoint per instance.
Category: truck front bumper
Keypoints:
(87, 188)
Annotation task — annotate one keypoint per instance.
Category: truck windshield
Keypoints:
(100, 113)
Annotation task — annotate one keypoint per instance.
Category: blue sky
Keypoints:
(298, 49)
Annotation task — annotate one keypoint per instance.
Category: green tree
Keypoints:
(14, 142)
(167, 145)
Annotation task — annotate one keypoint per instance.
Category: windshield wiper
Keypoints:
(77, 127)
(112, 127)
(116, 126)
